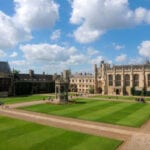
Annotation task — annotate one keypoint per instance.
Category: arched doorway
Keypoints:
(117, 91)
(99, 90)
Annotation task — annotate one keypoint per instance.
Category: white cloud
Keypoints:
(121, 58)
(84, 34)
(118, 46)
(77, 59)
(29, 15)
(2, 54)
(92, 51)
(20, 63)
(35, 14)
(55, 35)
(95, 17)
(137, 60)
(144, 49)
(47, 52)
(11, 33)
(52, 55)
(14, 54)
(97, 60)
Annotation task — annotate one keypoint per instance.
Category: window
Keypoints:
(118, 80)
(127, 80)
(148, 79)
(136, 80)
(110, 79)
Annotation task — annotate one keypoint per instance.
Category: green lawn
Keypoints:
(119, 97)
(10, 100)
(21, 135)
(121, 113)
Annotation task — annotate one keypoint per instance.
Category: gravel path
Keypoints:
(134, 138)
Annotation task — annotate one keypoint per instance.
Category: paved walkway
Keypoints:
(134, 138)
(25, 104)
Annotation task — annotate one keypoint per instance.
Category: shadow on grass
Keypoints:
(76, 102)
(80, 102)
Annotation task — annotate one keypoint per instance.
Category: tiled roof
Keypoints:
(35, 77)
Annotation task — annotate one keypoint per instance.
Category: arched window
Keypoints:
(136, 80)
(148, 78)
(110, 79)
(127, 80)
(118, 80)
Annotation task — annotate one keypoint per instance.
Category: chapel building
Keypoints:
(122, 79)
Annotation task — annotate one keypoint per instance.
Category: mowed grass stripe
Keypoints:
(124, 112)
(31, 139)
(112, 107)
(4, 123)
(17, 132)
(79, 106)
(121, 113)
(99, 106)
(31, 136)
(63, 109)
(137, 118)
(90, 140)
(67, 145)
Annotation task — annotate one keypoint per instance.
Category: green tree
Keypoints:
(15, 71)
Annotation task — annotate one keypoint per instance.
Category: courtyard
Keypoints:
(113, 112)
(88, 123)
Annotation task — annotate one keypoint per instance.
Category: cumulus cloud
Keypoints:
(47, 52)
(53, 55)
(121, 58)
(36, 14)
(20, 63)
(144, 49)
(97, 60)
(14, 54)
(92, 51)
(55, 35)
(137, 60)
(11, 33)
(118, 46)
(95, 17)
(29, 15)
(84, 34)
(2, 54)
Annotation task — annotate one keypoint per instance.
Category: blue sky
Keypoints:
(52, 35)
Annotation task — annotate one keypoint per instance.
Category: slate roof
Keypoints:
(35, 77)
(4, 67)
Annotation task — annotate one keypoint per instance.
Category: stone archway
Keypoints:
(99, 90)
(118, 91)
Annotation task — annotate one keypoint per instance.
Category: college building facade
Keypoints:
(13, 83)
(82, 82)
(106, 80)
(122, 79)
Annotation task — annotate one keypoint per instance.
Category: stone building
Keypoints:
(5, 79)
(81, 82)
(122, 79)
(15, 83)
(31, 83)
